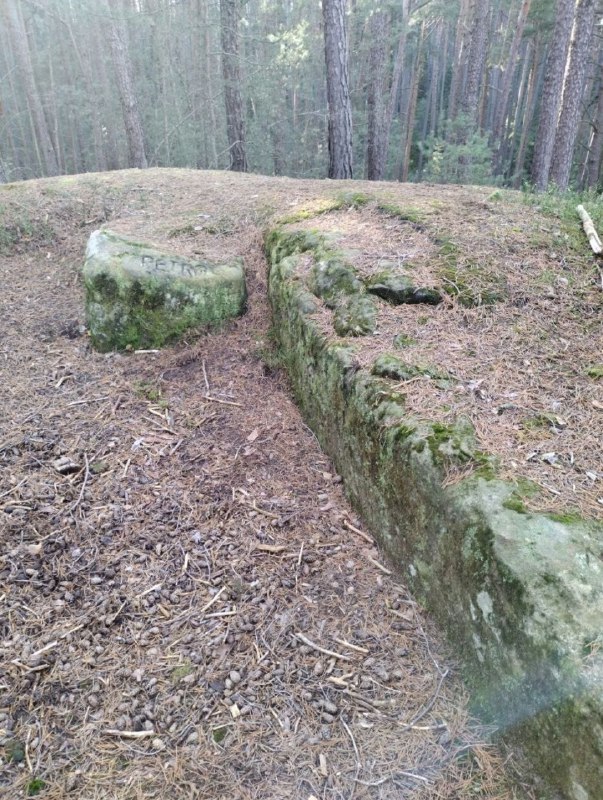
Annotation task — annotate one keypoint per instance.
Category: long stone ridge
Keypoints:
(139, 296)
(520, 595)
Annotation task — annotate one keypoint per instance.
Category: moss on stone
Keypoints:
(398, 289)
(390, 366)
(128, 305)
(331, 278)
(518, 594)
(355, 316)
(407, 214)
(403, 340)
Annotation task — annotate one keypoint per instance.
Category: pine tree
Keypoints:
(573, 92)
(551, 93)
(338, 93)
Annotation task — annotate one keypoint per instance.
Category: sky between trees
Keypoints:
(506, 92)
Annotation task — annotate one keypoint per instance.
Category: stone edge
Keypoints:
(467, 557)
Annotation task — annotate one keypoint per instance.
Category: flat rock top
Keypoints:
(108, 249)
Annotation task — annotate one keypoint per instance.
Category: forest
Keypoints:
(502, 92)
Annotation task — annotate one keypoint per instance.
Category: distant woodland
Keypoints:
(506, 92)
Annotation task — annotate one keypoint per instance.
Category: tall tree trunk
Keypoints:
(377, 115)
(231, 71)
(507, 144)
(23, 57)
(573, 92)
(460, 48)
(338, 95)
(476, 62)
(551, 93)
(394, 92)
(129, 102)
(505, 92)
(412, 106)
(595, 151)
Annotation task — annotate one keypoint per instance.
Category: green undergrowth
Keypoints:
(561, 207)
(342, 201)
(406, 214)
(471, 282)
(21, 228)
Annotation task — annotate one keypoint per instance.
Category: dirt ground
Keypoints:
(189, 606)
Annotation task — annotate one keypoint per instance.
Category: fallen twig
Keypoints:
(90, 400)
(365, 536)
(320, 649)
(84, 483)
(589, 230)
(222, 402)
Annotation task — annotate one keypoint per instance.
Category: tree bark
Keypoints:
(377, 113)
(129, 102)
(500, 116)
(412, 105)
(476, 62)
(595, 150)
(338, 95)
(459, 59)
(573, 92)
(231, 71)
(23, 55)
(552, 93)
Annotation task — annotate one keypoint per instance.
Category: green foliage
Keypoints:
(19, 229)
(462, 156)
(34, 787)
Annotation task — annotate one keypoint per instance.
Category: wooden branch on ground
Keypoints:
(589, 230)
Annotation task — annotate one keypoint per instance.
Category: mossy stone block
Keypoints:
(138, 296)
(355, 316)
(399, 289)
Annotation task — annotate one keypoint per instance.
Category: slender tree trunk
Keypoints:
(338, 95)
(394, 93)
(127, 95)
(459, 59)
(412, 106)
(573, 92)
(377, 115)
(595, 151)
(209, 88)
(502, 105)
(528, 114)
(231, 71)
(507, 144)
(23, 57)
(476, 62)
(552, 93)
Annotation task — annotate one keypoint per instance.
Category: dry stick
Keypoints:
(353, 528)
(352, 646)
(161, 427)
(91, 400)
(212, 601)
(589, 230)
(205, 377)
(427, 708)
(83, 489)
(222, 402)
(383, 569)
(320, 649)
(14, 489)
(403, 772)
(129, 734)
(354, 745)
